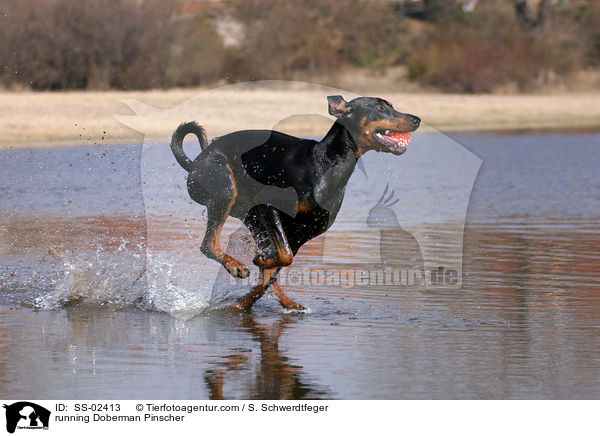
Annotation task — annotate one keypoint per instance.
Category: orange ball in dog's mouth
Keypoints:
(396, 142)
(402, 138)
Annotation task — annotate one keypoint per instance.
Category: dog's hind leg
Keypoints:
(218, 208)
(211, 247)
(285, 301)
(267, 277)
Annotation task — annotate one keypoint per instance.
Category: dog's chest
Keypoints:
(330, 187)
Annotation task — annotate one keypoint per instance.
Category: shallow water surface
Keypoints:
(103, 293)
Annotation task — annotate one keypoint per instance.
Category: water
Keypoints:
(104, 295)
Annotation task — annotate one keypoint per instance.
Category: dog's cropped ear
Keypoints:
(338, 107)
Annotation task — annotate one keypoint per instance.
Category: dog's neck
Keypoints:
(336, 156)
(336, 153)
(338, 144)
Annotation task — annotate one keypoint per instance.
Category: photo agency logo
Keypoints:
(401, 220)
(24, 415)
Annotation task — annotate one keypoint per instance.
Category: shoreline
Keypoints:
(140, 140)
(55, 119)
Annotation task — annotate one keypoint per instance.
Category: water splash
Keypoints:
(97, 279)
(122, 279)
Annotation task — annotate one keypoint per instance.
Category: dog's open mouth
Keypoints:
(395, 141)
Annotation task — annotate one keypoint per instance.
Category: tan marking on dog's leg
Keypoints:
(286, 301)
(211, 245)
(266, 278)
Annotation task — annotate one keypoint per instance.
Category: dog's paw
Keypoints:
(292, 305)
(240, 271)
(239, 307)
(236, 268)
(245, 303)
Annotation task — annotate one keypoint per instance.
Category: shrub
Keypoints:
(98, 44)
(485, 50)
(315, 36)
(198, 56)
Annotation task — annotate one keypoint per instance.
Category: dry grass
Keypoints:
(29, 119)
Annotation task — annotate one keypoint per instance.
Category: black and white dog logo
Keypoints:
(25, 415)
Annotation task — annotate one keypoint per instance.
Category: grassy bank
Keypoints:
(31, 119)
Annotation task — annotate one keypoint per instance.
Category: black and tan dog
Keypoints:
(286, 190)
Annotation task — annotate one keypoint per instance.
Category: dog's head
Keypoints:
(374, 124)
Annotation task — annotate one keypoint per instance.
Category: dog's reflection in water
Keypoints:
(274, 377)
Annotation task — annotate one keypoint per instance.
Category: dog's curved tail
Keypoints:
(177, 142)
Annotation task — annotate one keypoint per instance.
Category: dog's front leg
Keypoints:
(281, 253)
(267, 276)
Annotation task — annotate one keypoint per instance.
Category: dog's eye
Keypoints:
(380, 108)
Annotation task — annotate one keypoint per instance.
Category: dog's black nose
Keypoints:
(415, 121)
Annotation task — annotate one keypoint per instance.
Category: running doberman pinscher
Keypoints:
(286, 190)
